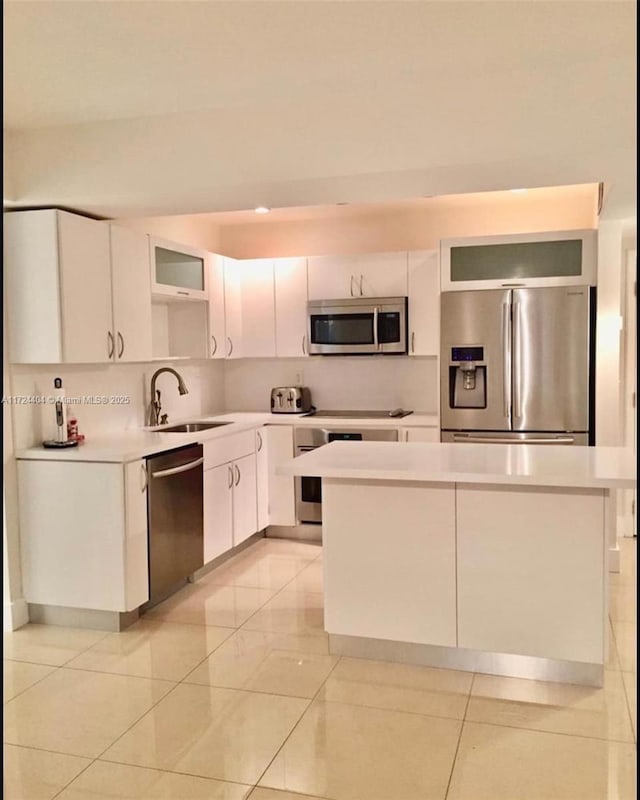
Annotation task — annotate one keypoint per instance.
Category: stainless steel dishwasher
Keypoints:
(175, 519)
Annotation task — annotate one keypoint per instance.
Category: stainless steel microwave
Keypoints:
(357, 326)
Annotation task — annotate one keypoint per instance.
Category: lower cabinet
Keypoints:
(420, 435)
(83, 530)
(230, 493)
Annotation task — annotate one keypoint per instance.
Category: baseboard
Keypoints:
(114, 621)
(16, 614)
(302, 532)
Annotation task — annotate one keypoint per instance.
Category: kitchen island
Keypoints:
(489, 558)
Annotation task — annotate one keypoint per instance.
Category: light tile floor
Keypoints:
(227, 691)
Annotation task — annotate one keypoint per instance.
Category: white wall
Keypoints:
(360, 383)
(204, 380)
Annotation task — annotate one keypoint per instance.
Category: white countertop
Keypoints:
(535, 465)
(139, 443)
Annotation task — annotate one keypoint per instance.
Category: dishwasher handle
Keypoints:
(164, 473)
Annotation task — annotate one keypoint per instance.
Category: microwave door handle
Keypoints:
(375, 329)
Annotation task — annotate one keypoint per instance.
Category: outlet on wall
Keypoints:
(299, 378)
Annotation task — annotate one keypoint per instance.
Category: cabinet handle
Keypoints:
(237, 469)
(230, 347)
(304, 345)
(121, 341)
(215, 346)
(230, 468)
(351, 286)
(145, 480)
(112, 344)
(187, 294)
(259, 441)
(361, 286)
(413, 341)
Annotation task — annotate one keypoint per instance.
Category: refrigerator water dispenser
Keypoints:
(467, 378)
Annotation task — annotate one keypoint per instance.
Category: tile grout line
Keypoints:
(290, 734)
(462, 721)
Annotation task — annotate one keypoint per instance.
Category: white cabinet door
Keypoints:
(233, 308)
(258, 308)
(262, 478)
(217, 342)
(291, 306)
(362, 275)
(245, 517)
(131, 295)
(531, 567)
(421, 435)
(218, 510)
(282, 506)
(330, 277)
(83, 533)
(136, 559)
(424, 303)
(85, 289)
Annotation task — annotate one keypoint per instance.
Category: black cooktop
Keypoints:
(396, 414)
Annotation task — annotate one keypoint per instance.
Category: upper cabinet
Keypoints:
(424, 303)
(258, 308)
(367, 275)
(131, 295)
(217, 340)
(291, 306)
(556, 258)
(233, 308)
(58, 269)
(178, 270)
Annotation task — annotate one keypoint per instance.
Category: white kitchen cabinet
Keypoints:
(58, 282)
(550, 258)
(245, 516)
(262, 477)
(178, 270)
(420, 435)
(218, 511)
(291, 306)
(362, 275)
(279, 447)
(131, 295)
(83, 530)
(258, 313)
(233, 307)
(230, 495)
(530, 571)
(217, 341)
(424, 303)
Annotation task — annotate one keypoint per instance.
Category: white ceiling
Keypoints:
(132, 108)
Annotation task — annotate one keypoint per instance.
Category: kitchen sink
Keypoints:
(191, 427)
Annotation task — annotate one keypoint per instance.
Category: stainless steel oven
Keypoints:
(309, 488)
(358, 326)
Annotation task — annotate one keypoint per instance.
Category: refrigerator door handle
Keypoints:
(505, 440)
(517, 367)
(506, 358)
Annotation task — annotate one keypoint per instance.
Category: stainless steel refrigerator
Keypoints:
(516, 365)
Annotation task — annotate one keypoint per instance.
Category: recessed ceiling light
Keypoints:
(262, 210)
(518, 191)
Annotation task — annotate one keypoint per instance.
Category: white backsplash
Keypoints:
(372, 383)
(34, 422)
(376, 383)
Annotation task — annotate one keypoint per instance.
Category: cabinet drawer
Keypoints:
(229, 448)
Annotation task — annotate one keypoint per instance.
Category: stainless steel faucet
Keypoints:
(154, 408)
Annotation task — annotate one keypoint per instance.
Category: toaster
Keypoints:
(290, 400)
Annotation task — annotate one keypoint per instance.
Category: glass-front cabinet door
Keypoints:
(554, 258)
(178, 270)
